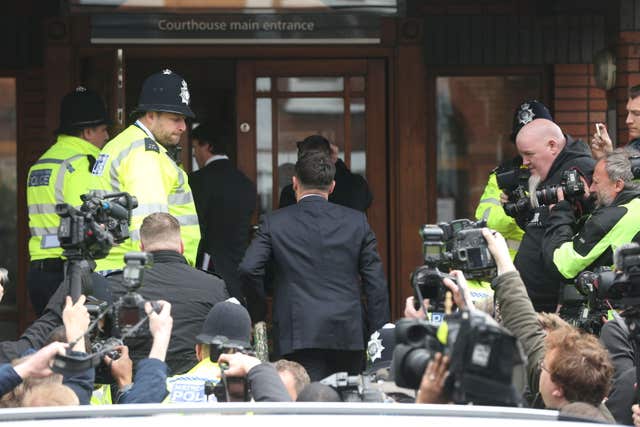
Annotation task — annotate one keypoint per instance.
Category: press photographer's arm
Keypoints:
(516, 309)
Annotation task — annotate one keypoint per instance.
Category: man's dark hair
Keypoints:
(634, 92)
(314, 143)
(315, 170)
(318, 392)
(206, 134)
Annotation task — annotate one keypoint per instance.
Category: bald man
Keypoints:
(547, 152)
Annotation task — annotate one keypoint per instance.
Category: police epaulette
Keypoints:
(151, 145)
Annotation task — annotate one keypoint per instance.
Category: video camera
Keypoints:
(584, 304)
(457, 245)
(482, 357)
(100, 222)
(521, 202)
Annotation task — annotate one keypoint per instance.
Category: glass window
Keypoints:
(358, 137)
(310, 84)
(264, 160)
(474, 116)
(8, 217)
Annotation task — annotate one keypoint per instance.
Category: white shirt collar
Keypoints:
(216, 157)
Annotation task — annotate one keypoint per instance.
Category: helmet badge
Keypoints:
(166, 71)
(375, 347)
(526, 114)
(184, 93)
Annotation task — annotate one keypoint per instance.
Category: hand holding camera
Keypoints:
(499, 249)
(120, 365)
(238, 364)
(433, 381)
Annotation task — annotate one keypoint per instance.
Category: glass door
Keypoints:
(282, 102)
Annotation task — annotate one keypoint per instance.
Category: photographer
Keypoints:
(563, 367)
(614, 221)
(548, 154)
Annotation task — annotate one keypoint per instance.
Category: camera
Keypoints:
(113, 324)
(513, 181)
(520, 202)
(459, 245)
(355, 388)
(100, 222)
(129, 310)
(482, 357)
(228, 389)
(581, 305)
(622, 285)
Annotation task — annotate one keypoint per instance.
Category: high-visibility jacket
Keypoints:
(61, 175)
(490, 208)
(604, 231)
(190, 387)
(135, 163)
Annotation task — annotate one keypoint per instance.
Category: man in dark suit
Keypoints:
(319, 253)
(225, 200)
(351, 190)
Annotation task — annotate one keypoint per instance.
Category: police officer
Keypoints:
(61, 175)
(137, 161)
(614, 222)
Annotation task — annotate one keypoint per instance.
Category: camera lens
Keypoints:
(415, 364)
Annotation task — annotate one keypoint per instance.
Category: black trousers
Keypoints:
(43, 279)
(320, 363)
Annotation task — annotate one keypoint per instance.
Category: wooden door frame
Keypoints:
(376, 130)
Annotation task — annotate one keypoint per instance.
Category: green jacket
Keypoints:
(61, 175)
(606, 229)
(135, 163)
(490, 209)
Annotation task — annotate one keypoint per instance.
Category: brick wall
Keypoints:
(578, 104)
(627, 75)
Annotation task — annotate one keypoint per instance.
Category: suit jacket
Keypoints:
(351, 190)
(319, 252)
(225, 199)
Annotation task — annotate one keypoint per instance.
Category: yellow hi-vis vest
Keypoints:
(189, 387)
(134, 163)
(490, 208)
(61, 175)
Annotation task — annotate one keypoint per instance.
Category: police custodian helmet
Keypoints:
(81, 109)
(167, 92)
(527, 112)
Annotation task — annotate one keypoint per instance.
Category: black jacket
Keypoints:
(615, 338)
(191, 293)
(351, 190)
(543, 283)
(225, 200)
(320, 253)
(592, 246)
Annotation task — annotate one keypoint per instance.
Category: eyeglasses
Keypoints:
(542, 367)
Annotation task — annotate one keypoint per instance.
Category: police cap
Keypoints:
(166, 92)
(527, 112)
(81, 109)
(227, 319)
